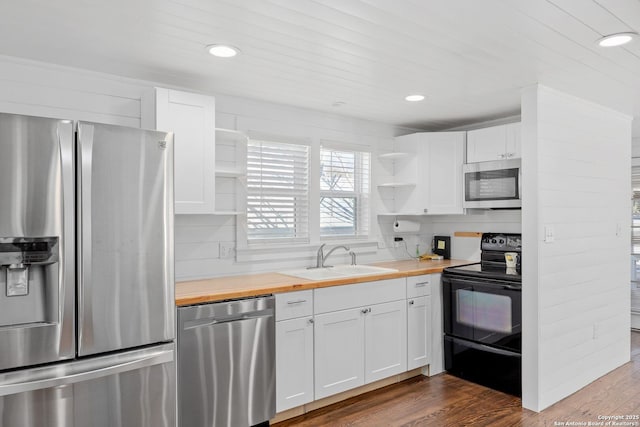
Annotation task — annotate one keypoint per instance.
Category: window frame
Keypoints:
(357, 194)
(247, 242)
(245, 246)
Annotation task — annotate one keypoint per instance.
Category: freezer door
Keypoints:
(37, 246)
(129, 389)
(125, 238)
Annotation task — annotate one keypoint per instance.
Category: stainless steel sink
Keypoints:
(338, 272)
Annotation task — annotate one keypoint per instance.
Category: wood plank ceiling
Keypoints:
(470, 58)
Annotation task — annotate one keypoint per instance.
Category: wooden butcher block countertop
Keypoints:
(222, 288)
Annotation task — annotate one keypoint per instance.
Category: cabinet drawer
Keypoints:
(358, 295)
(418, 286)
(290, 305)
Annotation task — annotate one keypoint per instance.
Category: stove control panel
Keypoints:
(503, 242)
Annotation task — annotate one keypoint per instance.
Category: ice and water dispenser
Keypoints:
(28, 280)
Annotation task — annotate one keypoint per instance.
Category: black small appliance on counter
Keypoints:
(482, 306)
(442, 246)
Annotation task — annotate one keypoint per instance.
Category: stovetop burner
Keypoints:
(493, 265)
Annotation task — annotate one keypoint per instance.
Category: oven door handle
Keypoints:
(481, 281)
(490, 349)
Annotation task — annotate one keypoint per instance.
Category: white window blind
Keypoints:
(277, 192)
(344, 193)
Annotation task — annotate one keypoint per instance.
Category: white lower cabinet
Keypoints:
(418, 332)
(385, 340)
(339, 352)
(342, 337)
(419, 324)
(294, 363)
(294, 350)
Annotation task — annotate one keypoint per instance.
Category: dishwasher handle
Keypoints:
(227, 319)
(226, 312)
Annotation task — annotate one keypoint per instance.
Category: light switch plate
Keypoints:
(549, 234)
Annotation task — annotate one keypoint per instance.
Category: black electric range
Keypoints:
(482, 308)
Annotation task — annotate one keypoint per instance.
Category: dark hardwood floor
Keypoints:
(444, 400)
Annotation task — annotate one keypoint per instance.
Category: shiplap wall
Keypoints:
(576, 180)
(38, 89)
(200, 238)
(41, 89)
(485, 221)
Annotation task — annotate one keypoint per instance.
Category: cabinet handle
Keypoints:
(510, 155)
(502, 156)
(411, 302)
(300, 301)
(365, 310)
(421, 285)
(310, 321)
(425, 210)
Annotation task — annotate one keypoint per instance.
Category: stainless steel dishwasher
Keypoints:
(226, 363)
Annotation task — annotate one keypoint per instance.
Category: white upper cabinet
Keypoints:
(429, 179)
(494, 143)
(191, 117)
(513, 150)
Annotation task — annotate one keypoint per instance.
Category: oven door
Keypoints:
(484, 311)
(492, 184)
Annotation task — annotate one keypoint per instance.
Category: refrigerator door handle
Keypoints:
(85, 159)
(65, 142)
(85, 370)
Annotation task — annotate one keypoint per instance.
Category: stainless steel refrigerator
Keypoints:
(87, 314)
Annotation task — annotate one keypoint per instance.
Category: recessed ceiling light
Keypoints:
(414, 98)
(222, 50)
(617, 39)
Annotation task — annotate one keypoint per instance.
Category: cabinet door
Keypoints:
(513, 150)
(418, 332)
(294, 363)
(443, 161)
(191, 117)
(339, 352)
(385, 340)
(486, 144)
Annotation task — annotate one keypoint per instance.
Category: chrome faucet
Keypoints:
(321, 257)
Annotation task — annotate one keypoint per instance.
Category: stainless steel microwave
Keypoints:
(493, 185)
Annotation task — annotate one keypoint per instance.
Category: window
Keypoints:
(344, 193)
(277, 192)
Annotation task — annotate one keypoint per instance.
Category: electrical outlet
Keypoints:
(227, 250)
